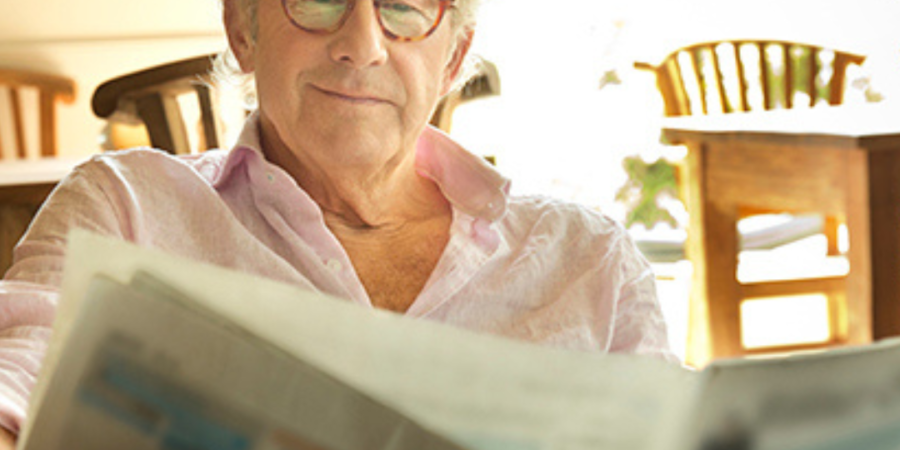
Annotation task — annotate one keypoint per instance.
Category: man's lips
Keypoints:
(352, 97)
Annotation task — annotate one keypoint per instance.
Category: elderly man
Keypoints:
(337, 185)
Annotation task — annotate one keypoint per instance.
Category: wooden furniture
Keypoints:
(24, 185)
(840, 161)
(739, 75)
(49, 90)
(151, 96)
(486, 82)
(723, 77)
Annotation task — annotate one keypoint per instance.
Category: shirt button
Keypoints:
(334, 265)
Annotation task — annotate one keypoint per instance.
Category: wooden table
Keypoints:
(841, 161)
(23, 187)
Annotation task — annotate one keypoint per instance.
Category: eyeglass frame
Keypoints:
(444, 6)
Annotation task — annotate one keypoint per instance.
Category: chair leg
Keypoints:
(831, 234)
(715, 292)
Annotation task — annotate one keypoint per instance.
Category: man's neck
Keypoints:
(351, 201)
(381, 194)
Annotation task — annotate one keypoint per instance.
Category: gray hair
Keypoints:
(226, 68)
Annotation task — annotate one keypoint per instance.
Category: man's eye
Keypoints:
(398, 7)
(401, 7)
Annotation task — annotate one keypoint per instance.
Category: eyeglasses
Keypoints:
(400, 20)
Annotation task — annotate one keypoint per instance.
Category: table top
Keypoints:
(870, 124)
(37, 171)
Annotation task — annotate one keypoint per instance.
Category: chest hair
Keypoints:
(395, 266)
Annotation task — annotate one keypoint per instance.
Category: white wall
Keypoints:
(94, 40)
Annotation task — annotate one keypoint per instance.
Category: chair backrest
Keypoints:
(151, 96)
(486, 82)
(746, 75)
(44, 91)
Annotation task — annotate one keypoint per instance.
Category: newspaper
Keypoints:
(158, 352)
(844, 399)
(146, 371)
(479, 391)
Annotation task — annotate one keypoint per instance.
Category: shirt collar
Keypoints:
(467, 181)
(248, 142)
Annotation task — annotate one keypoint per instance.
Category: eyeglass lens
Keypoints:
(402, 18)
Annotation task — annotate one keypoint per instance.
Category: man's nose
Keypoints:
(360, 42)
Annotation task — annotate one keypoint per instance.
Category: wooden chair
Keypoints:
(49, 90)
(726, 77)
(31, 98)
(151, 96)
(735, 76)
(722, 77)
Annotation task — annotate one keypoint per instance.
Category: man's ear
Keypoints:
(454, 66)
(240, 34)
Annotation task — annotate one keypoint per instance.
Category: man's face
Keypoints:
(354, 93)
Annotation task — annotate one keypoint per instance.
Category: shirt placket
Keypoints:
(298, 220)
(472, 244)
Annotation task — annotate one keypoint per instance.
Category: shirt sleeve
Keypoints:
(638, 325)
(29, 292)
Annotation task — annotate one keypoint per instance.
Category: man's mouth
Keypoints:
(360, 98)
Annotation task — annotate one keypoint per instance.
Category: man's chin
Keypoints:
(360, 141)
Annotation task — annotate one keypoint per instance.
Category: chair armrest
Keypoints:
(644, 66)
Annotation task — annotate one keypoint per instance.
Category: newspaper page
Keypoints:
(143, 371)
(843, 399)
(482, 391)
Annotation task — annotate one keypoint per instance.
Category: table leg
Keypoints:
(713, 250)
(884, 241)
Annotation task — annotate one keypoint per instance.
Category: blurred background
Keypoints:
(571, 111)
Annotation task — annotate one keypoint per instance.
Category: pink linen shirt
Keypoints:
(528, 268)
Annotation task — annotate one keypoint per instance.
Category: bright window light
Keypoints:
(790, 320)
